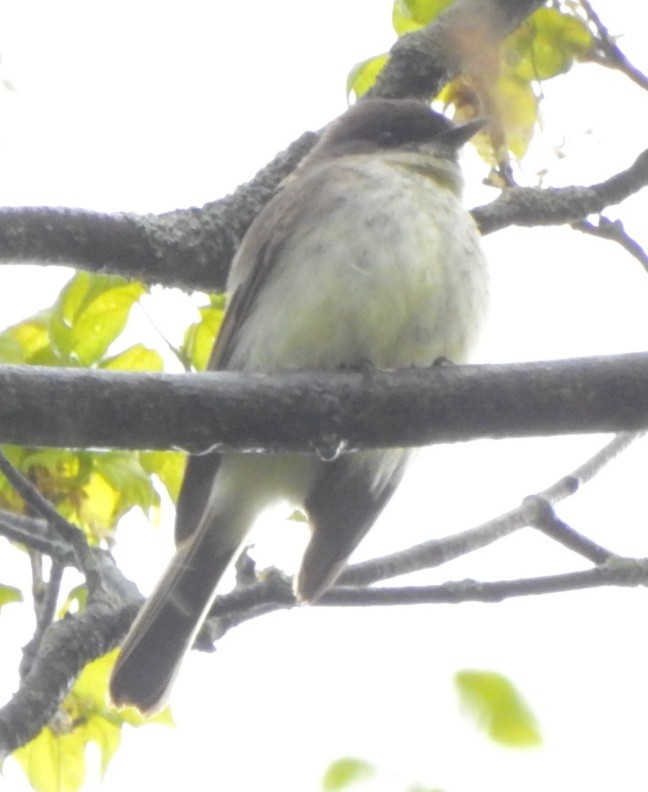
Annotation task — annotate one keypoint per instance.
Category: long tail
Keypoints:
(168, 623)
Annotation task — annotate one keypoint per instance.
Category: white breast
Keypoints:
(385, 266)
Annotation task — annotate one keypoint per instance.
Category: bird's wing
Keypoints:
(251, 267)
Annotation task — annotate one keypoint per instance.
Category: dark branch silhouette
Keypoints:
(321, 412)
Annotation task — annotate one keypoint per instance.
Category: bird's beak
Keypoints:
(460, 134)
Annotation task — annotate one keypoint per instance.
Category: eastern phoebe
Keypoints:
(364, 256)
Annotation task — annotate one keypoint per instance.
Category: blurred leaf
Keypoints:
(345, 772)
(199, 337)
(363, 75)
(136, 358)
(124, 471)
(29, 341)
(9, 500)
(91, 489)
(91, 311)
(409, 15)
(168, 466)
(503, 89)
(512, 105)
(517, 113)
(9, 594)
(54, 761)
(75, 602)
(498, 708)
(547, 44)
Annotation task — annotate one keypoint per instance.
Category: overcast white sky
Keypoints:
(150, 106)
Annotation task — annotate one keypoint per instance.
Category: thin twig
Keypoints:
(610, 53)
(45, 612)
(617, 572)
(438, 551)
(70, 533)
(546, 520)
(277, 594)
(31, 532)
(614, 231)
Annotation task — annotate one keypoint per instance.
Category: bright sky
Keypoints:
(150, 106)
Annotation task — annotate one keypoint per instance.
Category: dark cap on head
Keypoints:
(374, 124)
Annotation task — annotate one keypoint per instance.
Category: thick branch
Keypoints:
(68, 646)
(422, 62)
(529, 206)
(193, 248)
(187, 247)
(323, 412)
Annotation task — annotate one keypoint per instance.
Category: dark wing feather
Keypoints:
(250, 269)
(342, 506)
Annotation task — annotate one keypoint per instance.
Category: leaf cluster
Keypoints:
(506, 86)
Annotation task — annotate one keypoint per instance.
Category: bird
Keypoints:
(365, 256)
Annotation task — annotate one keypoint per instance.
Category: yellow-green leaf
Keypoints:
(498, 708)
(409, 15)
(168, 466)
(130, 483)
(9, 594)
(91, 311)
(363, 75)
(547, 44)
(28, 341)
(54, 761)
(345, 772)
(75, 602)
(199, 337)
(136, 358)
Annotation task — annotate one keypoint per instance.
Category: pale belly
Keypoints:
(392, 275)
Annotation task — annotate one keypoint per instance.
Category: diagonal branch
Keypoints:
(192, 248)
(614, 231)
(530, 206)
(609, 53)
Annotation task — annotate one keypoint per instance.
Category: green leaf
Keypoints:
(363, 75)
(136, 358)
(54, 761)
(129, 481)
(28, 341)
(498, 708)
(199, 337)
(547, 44)
(75, 602)
(91, 311)
(168, 466)
(91, 489)
(9, 594)
(345, 772)
(409, 15)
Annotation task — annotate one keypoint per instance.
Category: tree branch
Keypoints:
(614, 231)
(192, 248)
(67, 647)
(321, 412)
(34, 533)
(616, 572)
(530, 206)
(609, 53)
(421, 62)
(68, 532)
